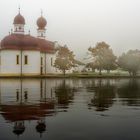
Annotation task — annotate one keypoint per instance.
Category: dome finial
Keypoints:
(19, 9)
(41, 12)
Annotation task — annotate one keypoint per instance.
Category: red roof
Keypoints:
(46, 46)
(27, 42)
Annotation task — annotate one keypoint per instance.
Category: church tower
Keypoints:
(41, 23)
(19, 23)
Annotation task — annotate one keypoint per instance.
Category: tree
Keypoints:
(64, 59)
(103, 57)
(130, 62)
(109, 61)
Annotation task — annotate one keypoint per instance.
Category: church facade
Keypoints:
(23, 54)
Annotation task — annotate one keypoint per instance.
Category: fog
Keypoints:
(79, 23)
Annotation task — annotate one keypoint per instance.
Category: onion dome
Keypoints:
(19, 19)
(41, 23)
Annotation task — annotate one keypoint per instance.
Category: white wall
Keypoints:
(49, 67)
(33, 66)
(8, 62)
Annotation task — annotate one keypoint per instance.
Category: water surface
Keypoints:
(70, 109)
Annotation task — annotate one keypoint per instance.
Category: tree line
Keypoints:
(102, 58)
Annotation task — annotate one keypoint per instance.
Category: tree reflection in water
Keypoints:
(104, 94)
(64, 94)
(129, 92)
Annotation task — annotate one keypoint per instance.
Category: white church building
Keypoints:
(23, 54)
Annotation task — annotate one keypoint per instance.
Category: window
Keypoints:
(25, 59)
(51, 61)
(17, 59)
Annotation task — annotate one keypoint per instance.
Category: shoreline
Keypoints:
(68, 76)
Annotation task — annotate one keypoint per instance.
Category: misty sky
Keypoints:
(79, 23)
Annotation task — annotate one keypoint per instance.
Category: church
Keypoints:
(23, 54)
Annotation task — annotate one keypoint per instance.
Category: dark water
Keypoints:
(79, 109)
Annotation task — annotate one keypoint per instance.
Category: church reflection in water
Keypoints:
(32, 100)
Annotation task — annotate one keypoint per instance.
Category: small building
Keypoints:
(24, 54)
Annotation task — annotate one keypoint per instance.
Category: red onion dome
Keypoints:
(19, 19)
(41, 23)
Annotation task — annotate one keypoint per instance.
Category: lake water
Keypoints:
(70, 109)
